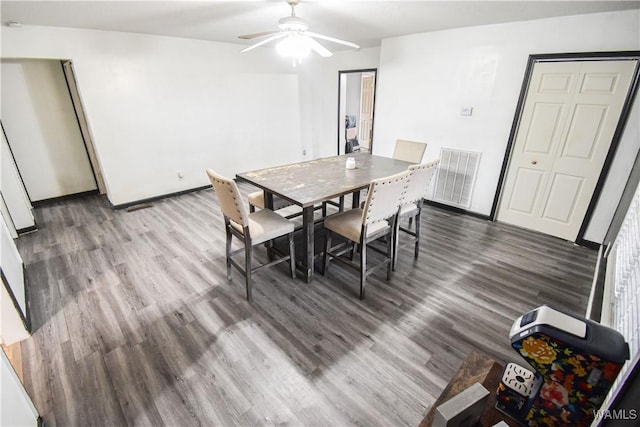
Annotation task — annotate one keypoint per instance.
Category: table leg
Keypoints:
(268, 203)
(356, 199)
(268, 200)
(308, 245)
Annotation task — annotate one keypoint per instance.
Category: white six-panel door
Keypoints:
(568, 120)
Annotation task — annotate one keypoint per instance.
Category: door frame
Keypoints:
(69, 73)
(373, 113)
(624, 116)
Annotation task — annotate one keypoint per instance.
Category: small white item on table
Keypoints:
(351, 163)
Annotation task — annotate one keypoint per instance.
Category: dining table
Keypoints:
(309, 183)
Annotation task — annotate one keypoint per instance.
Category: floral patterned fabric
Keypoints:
(509, 401)
(575, 384)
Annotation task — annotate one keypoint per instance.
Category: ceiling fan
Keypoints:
(296, 41)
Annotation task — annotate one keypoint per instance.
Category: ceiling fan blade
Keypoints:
(267, 40)
(318, 48)
(332, 39)
(257, 35)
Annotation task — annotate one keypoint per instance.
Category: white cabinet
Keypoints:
(16, 407)
(14, 195)
(14, 315)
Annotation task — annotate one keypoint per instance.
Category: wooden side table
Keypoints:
(477, 367)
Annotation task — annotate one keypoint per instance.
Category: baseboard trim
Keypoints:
(156, 198)
(596, 296)
(457, 209)
(39, 203)
(580, 242)
(588, 244)
(27, 229)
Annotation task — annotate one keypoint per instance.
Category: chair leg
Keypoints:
(419, 205)
(269, 246)
(390, 245)
(292, 256)
(395, 237)
(247, 267)
(417, 248)
(327, 246)
(341, 207)
(228, 253)
(363, 268)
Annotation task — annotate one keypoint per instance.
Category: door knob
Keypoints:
(534, 162)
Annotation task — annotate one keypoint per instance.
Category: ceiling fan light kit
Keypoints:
(294, 46)
(297, 43)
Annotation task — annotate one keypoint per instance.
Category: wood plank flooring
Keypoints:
(136, 324)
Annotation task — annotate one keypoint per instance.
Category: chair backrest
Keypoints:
(229, 197)
(409, 151)
(419, 179)
(384, 197)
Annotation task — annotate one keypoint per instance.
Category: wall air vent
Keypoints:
(456, 177)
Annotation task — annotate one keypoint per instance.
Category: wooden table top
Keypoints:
(311, 182)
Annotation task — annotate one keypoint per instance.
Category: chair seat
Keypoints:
(265, 225)
(408, 209)
(257, 199)
(349, 224)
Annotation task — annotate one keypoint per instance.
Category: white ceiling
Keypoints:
(363, 22)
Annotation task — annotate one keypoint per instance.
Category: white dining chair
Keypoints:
(251, 229)
(420, 177)
(362, 226)
(409, 151)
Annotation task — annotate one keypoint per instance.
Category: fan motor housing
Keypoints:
(292, 23)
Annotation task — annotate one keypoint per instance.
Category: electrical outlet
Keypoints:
(466, 111)
(304, 152)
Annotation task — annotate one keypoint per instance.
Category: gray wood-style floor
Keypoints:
(136, 324)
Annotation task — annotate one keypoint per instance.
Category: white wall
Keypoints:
(353, 94)
(425, 79)
(43, 131)
(319, 97)
(617, 177)
(159, 105)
